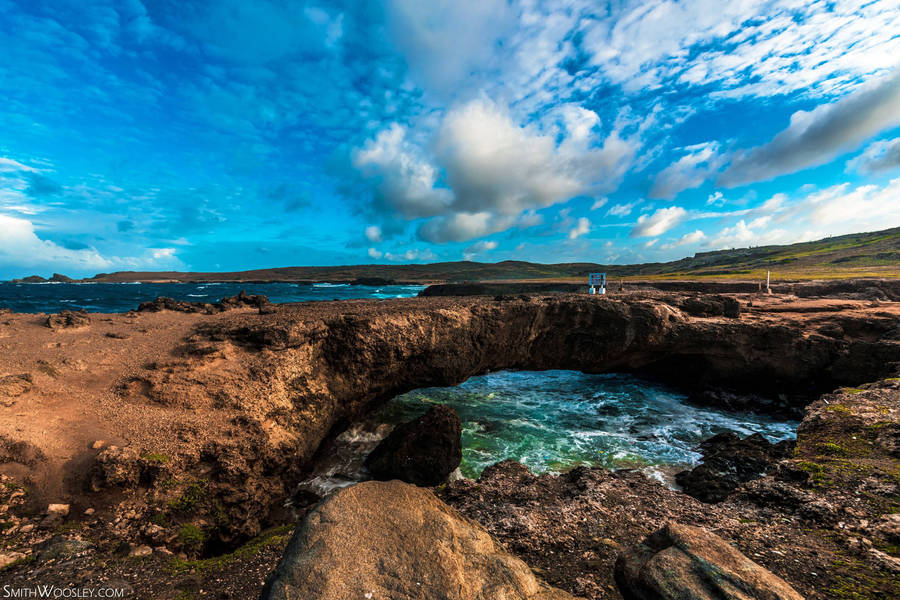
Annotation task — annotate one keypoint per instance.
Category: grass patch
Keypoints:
(157, 458)
(838, 408)
(270, 537)
(192, 496)
(192, 538)
(832, 449)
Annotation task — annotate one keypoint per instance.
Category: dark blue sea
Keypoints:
(122, 297)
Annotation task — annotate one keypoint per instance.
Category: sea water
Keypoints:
(552, 421)
(122, 297)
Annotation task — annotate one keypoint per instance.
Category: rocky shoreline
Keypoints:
(183, 433)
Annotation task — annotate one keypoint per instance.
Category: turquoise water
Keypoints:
(555, 420)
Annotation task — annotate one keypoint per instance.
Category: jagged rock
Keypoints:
(240, 300)
(424, 451)
(729, 461)
(114, 466)
(680, 562)
(394, 540)
(69, 319)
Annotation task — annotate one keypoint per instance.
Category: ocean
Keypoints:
(122, 297)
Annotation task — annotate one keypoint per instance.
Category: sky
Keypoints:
(229, 135)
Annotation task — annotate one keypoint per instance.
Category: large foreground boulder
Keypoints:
(424, 451)
(382, 540)
(69, 319)
(680, 562)
(729, 461)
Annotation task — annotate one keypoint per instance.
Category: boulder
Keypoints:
(424, 451)
(729, 461)
(680, 562)
(13, 386)
(393, 540)
(69, 319)
(711, 306)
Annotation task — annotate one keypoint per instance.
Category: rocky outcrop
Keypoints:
(423, 452)
(394, 540)
(679, 562)
(241, 300)
(711, 306)
(729, 461)
(60, 278)
(13, 386)
(69, 319)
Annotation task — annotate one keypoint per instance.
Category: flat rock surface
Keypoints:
(395, 540)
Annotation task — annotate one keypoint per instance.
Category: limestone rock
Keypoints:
(424, 451)
(680, 562)
(9, 558)
(69, 319)
(394, 540)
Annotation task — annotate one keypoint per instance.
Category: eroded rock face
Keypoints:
(682, 562)
(394, 540)
(424, 451)
(729, 461)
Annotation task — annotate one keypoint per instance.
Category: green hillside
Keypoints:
(875, 254)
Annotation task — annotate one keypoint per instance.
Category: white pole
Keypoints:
(768, 275)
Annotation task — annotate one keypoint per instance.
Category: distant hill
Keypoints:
(875, 254)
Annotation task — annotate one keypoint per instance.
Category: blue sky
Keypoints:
(234, 135)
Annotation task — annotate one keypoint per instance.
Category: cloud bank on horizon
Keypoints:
(232, 135)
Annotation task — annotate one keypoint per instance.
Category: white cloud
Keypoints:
(687, 172)
(599, 203)
(582, 226)
(879, 156)
(375, 253)
(411, 255)
(373, 233)
(497, 172)
(688, 239)
(403, 181)
(620, 210)
(836, 210)
(715, 199)
(478, 248)
(659, 222)
(21, 249)
(8, 165)
(816, 137)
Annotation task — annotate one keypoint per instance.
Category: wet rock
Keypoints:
(69, 319)
(241, 300)
(424, 451)
(729, 461)
(683, 562)
(394, 540)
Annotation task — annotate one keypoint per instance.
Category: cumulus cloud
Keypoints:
(715, 199)
(687, 172)
(479, 248)
(816, 137)
(497, 172)
(20, 247)
(375, 253)
(879, 156)
(661, 221)
(582, 226)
